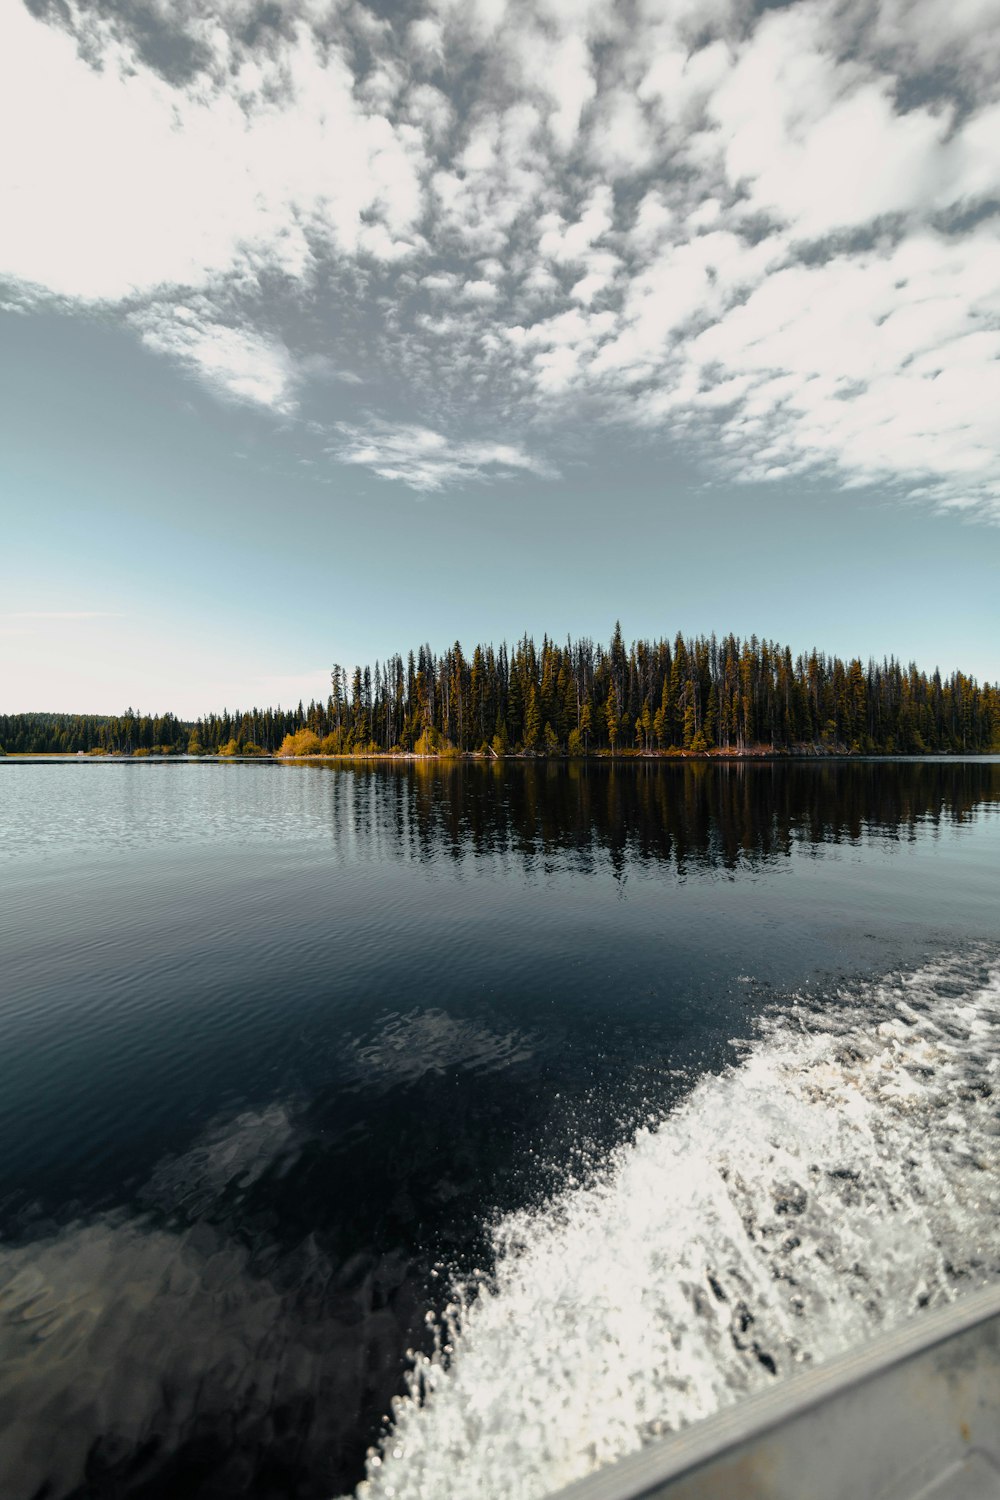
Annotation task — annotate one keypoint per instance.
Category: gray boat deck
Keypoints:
(914, 1415)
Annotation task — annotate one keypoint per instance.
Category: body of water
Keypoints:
(609, 1092)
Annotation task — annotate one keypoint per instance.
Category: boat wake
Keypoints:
(841, 1177)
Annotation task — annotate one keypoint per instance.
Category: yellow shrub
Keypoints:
(302, 742)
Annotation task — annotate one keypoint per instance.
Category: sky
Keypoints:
(328, 328)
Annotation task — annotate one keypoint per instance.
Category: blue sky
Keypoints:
(327, 329)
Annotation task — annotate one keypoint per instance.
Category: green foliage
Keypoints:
(586, 725)
(532, 721)
(612, 720)
(70, 734)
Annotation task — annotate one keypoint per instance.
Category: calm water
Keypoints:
(303, 1067)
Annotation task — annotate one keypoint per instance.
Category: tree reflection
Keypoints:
(684, 816)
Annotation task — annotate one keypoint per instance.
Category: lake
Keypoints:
(611, 1092)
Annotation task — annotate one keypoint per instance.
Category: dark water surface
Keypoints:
(287, 1049)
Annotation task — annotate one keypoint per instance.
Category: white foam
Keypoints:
(843, 1176)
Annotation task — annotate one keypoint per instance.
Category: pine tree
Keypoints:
(532, 720)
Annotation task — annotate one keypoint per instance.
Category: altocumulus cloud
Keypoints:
(771, 235)
(426, 460)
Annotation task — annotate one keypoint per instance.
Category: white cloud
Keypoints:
(704, 216)
(120, 183)
(684, 285)
(924, 34)
(677, 81)
(234, 362)
(725, 226)
(821, 142)
(479, 291)
(427, 36)
(921, 406)
(853, 161)
(621, 141)
(430, 110)
(426, 460)
(568, 244)
(477, 20)
(654, 221)
(591, 285)
(443, 281)
(561, 70)
(562, 347)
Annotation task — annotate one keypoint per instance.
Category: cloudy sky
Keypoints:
(329, 327)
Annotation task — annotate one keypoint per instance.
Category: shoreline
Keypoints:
(602, 757)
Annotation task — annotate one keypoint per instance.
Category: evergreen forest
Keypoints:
(695, 696)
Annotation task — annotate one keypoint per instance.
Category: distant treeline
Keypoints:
(257, 732)
(695, 696)
(66, 734)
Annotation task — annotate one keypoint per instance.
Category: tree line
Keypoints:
(693, 695)
(131, 733)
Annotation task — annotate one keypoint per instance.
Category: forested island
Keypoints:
(697, 696)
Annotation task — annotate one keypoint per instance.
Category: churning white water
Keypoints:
(844, 1175)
